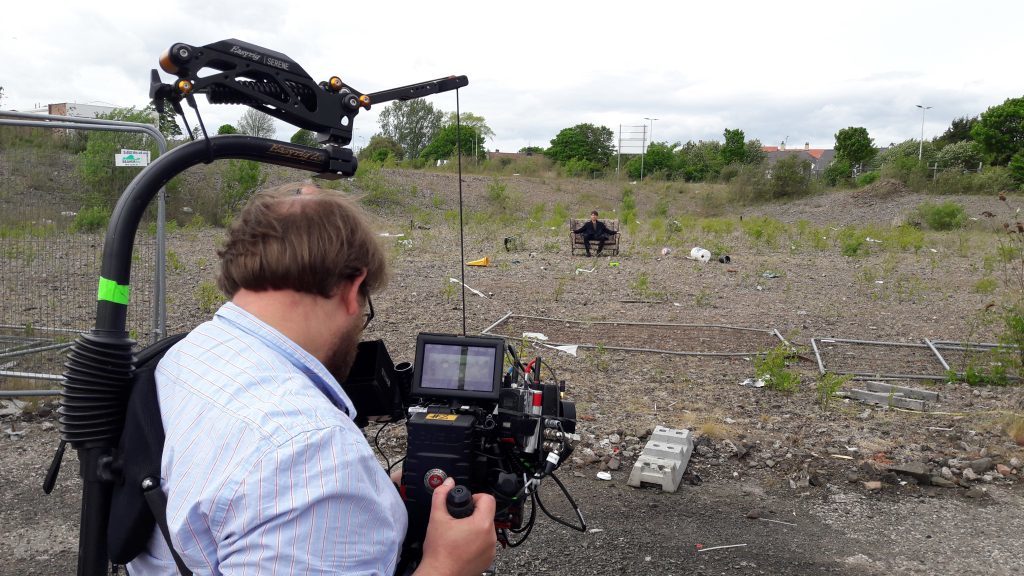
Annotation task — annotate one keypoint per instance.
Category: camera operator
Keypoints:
(264, 469)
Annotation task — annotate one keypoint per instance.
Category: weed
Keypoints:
(763, 230)
(986, 285)
(209, 297)
(559, 289)
(91, 219)
(773, 367)
(828, 385)
(436, 201)
(717, 225)
(497, 194)
(851, 241)
(600, 359)
(173, 261)
(942, 216)
(703, 298)
(1014, 425)
(448, 291)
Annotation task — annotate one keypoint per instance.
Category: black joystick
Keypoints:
(459, 502)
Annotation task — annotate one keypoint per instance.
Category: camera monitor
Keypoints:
(449, 366)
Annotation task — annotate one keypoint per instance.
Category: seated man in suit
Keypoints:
(594, 230)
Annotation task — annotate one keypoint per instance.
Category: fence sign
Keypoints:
(132, 158)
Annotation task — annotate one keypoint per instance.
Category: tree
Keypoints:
(447, 143)
(169, 123)
(380, 149)
(531, 150)
(733, 151)
(256, 123)
(854, 145)
(791, 177)
(659, 159)
(962, 155)
(753, 152)
(1000, 131)
(478, 122)
(105, 182)
(958, 131)
(227, 129)
(700, 161)
(582, 142)
(304, 137)
(412, 124)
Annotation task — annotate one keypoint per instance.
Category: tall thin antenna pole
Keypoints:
(462, 243)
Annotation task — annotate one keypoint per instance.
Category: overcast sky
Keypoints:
(777, 70)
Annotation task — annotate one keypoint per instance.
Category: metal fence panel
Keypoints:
(51, 247)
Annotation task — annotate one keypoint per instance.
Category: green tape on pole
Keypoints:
(111, 291)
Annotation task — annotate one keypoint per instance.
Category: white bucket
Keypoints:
(698, 253)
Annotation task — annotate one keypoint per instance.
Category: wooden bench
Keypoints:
(611, 245)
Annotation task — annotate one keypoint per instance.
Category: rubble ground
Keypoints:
(809, 487)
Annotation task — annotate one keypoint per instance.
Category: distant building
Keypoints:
(819, 158)
(73, 109)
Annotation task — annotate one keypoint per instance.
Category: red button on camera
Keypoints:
(434, 478)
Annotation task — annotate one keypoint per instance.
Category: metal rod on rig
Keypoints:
(462, 241)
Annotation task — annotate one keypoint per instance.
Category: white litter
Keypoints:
(534, 336)
(752, 383)
(579, 270)
(473, 290)
(604, 476)
(390, 235)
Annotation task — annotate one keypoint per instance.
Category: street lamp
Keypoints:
(920, 148)
(643, 149)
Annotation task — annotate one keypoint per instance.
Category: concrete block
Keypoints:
(906, 392)
(663, 460)
(887, 399)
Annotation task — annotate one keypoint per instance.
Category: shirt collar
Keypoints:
(297, 356)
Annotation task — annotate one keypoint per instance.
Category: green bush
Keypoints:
(868, 178)
(942, 216)
(773, 367)
(91, 219)
(852, 240)
(497, 194)
(763, 230)
(837, 172)
(717, 226)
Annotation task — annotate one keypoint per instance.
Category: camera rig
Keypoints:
(506, 443)
(494, 430)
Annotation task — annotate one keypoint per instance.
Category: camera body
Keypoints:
(490, 428)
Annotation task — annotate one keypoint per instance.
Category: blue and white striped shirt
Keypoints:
(265, 471)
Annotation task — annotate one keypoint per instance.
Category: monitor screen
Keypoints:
(458, 366)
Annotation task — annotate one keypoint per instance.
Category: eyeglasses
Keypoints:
(369, 315)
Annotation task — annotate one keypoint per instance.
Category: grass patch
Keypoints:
(986, 285)
(209, 297)
(763, 230)
(942, 216)
(828, 385)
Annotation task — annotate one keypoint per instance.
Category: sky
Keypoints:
(779, 71)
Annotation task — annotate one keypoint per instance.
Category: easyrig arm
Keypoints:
(273, 83)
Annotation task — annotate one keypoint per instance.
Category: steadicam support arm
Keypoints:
(101, 363)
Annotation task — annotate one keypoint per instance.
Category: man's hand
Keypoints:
(455, 547)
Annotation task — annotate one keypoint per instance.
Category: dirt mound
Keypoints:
(885, 188)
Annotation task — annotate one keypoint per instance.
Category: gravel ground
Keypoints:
(761, 453)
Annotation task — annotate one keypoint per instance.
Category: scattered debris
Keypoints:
(769, 274)
(699, 254)
(725, 259)
(535, 336)
(700, 548)
(777, 521)
(604, 475)
(752, 383)
(485, 261)
(473, 290)
(581, 270)
(666, 251)
(14, 434)
(872, 485)
(390, 235)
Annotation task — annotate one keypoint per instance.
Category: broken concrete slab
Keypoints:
(917, 470)
(890, 399)
(906, 392)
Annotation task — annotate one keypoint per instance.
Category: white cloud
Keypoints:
(771, 69)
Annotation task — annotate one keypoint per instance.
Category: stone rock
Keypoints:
(969, 474)
(981, 465)
(704, 451)
(11, 407)
(872, 485)
(946, 473)
(627, 453)
(976, 493)
(754, 514)
(1003, 470)
(865, 414)
(727, 448)
(769, 463)
(917, 470)
(613, 463)
(614, 438)
(632, 440)
(1014, 462)
(50, 426)
(853, 477)
(890, 478)
(588, 456)
(817, 480)
(987, 478)
(941, 482)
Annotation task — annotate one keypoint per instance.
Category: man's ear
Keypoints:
(349, 292)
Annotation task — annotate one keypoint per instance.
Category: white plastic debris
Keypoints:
(753, 383)
(604, 475)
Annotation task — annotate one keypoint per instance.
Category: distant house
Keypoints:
(819, 158)
(73, 109)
